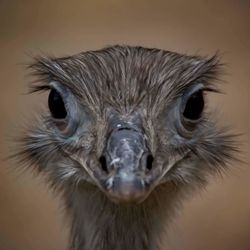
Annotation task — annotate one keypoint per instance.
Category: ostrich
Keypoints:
(126, 137)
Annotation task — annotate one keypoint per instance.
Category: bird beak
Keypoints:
(126, 162)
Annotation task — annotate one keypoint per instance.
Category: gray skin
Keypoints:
(125, 104)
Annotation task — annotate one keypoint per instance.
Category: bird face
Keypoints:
(126, 119)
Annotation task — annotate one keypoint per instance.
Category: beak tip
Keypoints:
(126, 190)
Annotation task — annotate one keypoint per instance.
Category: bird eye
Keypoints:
(194, 106)
(56, 105)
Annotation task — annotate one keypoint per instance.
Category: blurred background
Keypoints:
(31, 218)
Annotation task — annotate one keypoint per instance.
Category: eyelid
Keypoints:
(59, 88)
(191, 90)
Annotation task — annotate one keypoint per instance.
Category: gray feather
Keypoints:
(129, 80)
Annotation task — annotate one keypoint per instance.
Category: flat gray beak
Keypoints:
(126, 161)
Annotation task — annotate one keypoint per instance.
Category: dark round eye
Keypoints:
(56, 105)
(194, 106)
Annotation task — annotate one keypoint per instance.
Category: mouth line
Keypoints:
(172, 165)
(148, 182)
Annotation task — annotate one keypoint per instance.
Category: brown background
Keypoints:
(30, 217)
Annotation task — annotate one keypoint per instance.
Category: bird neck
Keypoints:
(98, 224)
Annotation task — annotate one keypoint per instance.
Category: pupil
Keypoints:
(56, 105)
(194, 106)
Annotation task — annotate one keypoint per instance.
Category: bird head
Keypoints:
(127, 120)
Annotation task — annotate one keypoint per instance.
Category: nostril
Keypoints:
(149, 162)
(103, 162)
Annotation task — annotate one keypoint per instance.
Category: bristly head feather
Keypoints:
(124, 77)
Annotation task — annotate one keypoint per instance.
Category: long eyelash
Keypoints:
(38, 88)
